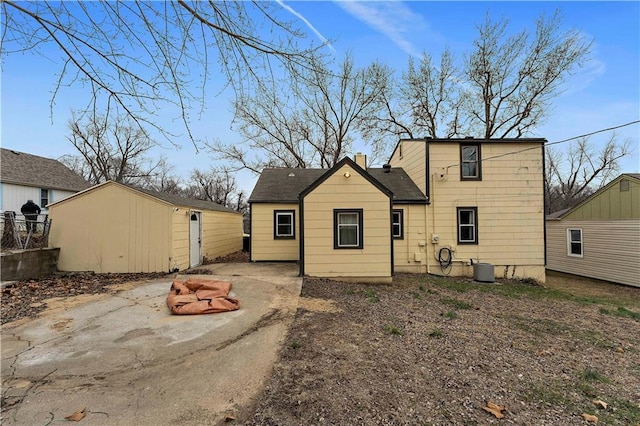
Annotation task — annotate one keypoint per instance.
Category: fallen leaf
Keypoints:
(495, 409)
(229, 417)
(590, 418)
(619, 349)
(600, 404)
(77, 416)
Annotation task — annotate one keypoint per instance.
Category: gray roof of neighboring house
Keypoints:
(284, 185)
(633, 175)
(20, 168)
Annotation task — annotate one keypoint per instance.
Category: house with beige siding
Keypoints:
(600, 237)
(112, 227)
(439, 206)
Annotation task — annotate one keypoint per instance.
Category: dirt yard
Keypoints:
(436, 351)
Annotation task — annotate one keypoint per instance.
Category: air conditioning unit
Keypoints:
(484, 272)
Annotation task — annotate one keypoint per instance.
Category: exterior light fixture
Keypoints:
(347, 175)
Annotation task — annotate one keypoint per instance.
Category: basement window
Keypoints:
(283, 224)
(574, 242)
(347, 229)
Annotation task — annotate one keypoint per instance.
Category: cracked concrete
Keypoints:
(130, 362)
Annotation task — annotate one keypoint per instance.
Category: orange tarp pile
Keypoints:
(200, 296)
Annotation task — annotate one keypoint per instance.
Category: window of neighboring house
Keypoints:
(44, 198)
(347, 229)
(470, 168)
(624, 185)
(574, 242)
(283, 224)
(467, 225)
(398, 224)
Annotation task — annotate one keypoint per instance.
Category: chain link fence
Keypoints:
(20, 232)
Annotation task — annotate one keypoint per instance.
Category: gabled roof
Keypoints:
(286, 184)
(167, 198)
(559, 215)
(20, 168)
(356, 168)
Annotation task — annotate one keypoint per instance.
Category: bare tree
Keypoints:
(310, 120)
(572, 176)
(425, 102)
(514, 78)
(111, 150)
(141, 56)
(503, 87)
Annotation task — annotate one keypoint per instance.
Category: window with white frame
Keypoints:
(347, 228)
(283, 224)
(398, 224)
(470, 167)
(44, 198)
(467, 225)
(574, 242)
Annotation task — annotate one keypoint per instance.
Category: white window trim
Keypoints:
(569, 241)
(279, 214)
(473, 226)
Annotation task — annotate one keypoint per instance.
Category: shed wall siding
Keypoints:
(509, 199)
(611, 203)
(414, 242)
(111, 230)
(611, 249)
(180, 239)
(338, 192)
(221, 233)
(264, 247)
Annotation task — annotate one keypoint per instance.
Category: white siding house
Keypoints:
(30, 177)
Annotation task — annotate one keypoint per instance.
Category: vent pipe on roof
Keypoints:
(386, 168)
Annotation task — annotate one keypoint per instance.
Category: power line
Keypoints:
(557, 142)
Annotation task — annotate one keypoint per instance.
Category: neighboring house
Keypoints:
(30, 177)
(600, 237)
(438, 207)
(113, 227)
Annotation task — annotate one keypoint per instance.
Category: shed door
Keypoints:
(195, 239)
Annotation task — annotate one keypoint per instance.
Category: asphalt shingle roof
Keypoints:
(284, 185)
(184, 201)
(25, 169)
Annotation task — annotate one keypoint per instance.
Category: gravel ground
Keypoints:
(436, 351)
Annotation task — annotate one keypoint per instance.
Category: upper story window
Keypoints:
(470, 165)
(44, 198)
(467, 225)
(574, 242)
(347, 229)
(398, 224)
(283, 224)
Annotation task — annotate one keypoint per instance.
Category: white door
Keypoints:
(195, 239)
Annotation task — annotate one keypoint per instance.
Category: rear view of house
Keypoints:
(113, 227)
(440, 206)
(600, 237)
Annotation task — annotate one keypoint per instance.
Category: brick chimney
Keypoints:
(361, 160)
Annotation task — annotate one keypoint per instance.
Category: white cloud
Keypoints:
(394, 19)
(306, 21)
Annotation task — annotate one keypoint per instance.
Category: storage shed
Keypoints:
(600, 237)
(112, 227)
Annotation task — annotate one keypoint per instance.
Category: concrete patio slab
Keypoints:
(128, 361)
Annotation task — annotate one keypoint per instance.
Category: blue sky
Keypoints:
(603, 94)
